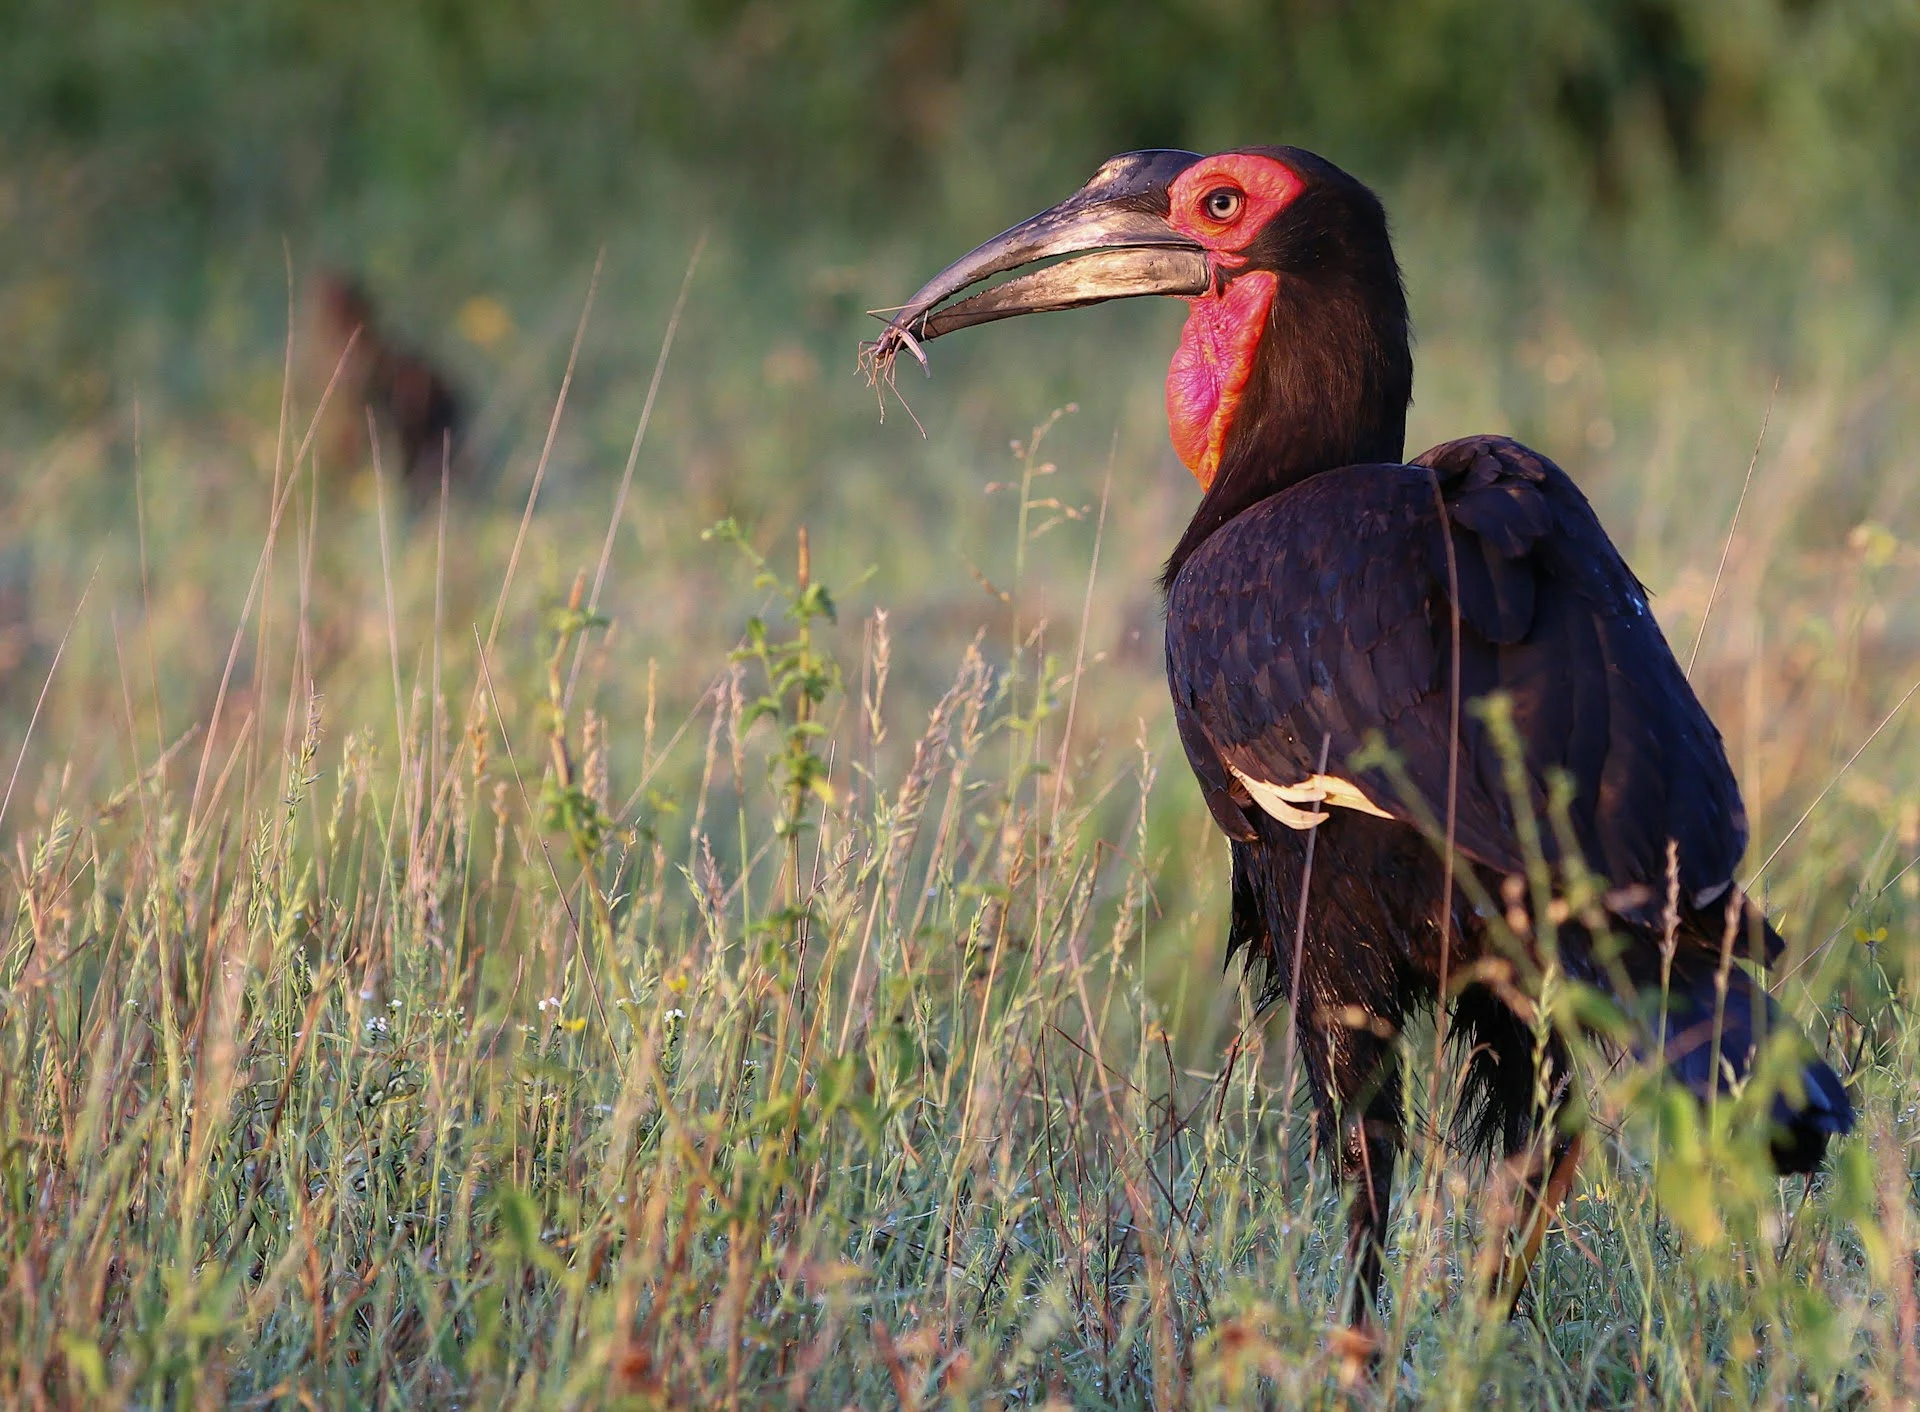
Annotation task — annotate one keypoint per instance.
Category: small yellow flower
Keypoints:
(484, 322)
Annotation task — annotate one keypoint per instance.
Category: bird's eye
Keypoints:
(1223, 204)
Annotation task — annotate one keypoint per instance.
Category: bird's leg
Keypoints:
(1355, 1077)
(1368, 1151)
(1543, 1183)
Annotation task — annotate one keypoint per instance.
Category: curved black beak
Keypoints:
(1116, 228)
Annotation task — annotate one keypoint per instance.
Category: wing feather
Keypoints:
(1324, 613)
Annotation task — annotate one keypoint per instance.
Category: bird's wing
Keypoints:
(1320, 618)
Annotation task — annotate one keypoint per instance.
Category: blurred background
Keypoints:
(1634, 231)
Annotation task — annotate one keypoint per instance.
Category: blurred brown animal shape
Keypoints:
(412, 399)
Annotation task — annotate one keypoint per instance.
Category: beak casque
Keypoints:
(1115, 228)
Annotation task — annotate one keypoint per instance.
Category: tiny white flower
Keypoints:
(366, 995)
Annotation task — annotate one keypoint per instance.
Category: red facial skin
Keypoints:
(1211, 366)
(1217, 348)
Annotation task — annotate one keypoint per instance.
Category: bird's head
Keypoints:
(1295, 352)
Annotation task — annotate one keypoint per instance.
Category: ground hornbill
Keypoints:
(1336, 619)
(409, 395)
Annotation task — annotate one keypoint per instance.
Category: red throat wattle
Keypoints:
(1211, 367)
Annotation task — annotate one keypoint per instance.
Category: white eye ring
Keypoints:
(1223, 204)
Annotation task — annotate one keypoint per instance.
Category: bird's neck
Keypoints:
(1330, 388)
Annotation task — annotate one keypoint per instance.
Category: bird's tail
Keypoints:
(1708, 1046)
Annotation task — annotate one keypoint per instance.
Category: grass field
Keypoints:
(744, 1013)
(721, 915)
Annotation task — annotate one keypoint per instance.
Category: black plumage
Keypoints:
(1336, 622)
(1287, 639)
(1283, 635)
